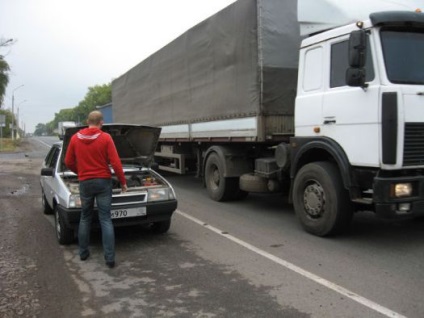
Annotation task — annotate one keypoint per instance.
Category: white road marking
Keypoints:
(42, 142)
(315, 278)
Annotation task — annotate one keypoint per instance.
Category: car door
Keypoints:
(48, 182)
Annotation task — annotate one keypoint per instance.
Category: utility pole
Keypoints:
(13, 111)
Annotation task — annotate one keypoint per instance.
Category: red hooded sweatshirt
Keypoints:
(89, 154)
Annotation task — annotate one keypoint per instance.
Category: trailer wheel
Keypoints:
(320, 200)
(219, 187)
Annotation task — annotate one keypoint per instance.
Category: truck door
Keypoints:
(351, 114)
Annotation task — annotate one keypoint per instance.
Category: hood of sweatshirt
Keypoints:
(134, 143)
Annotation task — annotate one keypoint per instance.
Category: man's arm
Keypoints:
(115, 161)
(70, 159)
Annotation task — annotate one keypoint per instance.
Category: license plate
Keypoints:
(128, 213)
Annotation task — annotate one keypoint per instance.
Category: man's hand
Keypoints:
(124, 188)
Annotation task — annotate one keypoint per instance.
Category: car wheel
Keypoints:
(46, 207)
(64, 235)
(320, 200)
(161, 227)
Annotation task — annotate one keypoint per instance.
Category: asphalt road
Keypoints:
(237, 259)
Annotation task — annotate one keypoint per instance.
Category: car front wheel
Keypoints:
(161, 227)
(64, 235)
(46, 207)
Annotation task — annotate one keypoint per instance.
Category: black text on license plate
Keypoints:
(125, 213)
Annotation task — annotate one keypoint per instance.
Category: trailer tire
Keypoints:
(219, 188)
(320, 200)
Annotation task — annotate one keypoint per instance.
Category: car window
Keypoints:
(52, 157)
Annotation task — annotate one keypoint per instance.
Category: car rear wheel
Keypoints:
(161, 227)
(64, 235)
(46, 207)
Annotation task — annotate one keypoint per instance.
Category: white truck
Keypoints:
(62, 125)
(320, 99)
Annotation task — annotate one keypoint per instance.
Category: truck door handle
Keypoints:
(329, 121)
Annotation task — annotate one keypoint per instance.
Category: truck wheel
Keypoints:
(64, 235)
(46, 207)
(219, 187)
(161, 227)
(320, 200)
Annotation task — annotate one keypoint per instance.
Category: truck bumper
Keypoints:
(389, 206)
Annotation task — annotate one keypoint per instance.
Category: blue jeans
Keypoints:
(101, 191)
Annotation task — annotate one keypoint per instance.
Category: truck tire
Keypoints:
(320, 200)
(46, 207)
(64, 235)
(252, 183)
(219, 188)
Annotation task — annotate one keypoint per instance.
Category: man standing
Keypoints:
(89, 154)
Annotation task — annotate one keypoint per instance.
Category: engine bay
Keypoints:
(138, 180)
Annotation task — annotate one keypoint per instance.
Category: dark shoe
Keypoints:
(110, 264)
(85, 256)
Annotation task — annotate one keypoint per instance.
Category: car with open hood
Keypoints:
(150, 199)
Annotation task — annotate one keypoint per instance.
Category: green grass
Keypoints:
(8, 145)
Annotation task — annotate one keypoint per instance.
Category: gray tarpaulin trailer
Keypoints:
(232, 77)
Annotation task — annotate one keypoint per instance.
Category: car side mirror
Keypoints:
(47, 172)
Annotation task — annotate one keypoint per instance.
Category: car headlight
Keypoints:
(74, 201)
(159, 194)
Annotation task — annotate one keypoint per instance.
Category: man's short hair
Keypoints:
(95, 118)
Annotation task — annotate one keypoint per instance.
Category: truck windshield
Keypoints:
(403, 54)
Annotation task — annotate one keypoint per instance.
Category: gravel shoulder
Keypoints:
(34, 279)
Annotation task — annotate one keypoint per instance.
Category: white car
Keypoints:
(150, 198)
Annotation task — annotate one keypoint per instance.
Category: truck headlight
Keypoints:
(402, 190)
(158, 194)
(74, 201)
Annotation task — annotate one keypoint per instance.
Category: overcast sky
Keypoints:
(65, 46)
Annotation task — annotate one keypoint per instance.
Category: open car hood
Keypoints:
(134, 143)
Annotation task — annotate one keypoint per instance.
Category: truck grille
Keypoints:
(413, 151)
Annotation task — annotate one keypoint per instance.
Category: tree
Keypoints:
(40, 130)
(6, 130)
(4, 71)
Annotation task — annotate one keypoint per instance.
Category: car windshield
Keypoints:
(403, 54)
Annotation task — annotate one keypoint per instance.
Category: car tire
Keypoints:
(161, 227)
(64, 235)
(320, 200)
(46, 207)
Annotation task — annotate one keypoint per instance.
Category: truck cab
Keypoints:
(359, 106)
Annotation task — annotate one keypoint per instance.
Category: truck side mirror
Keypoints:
(357, 49)
(355, 77)
(357, 52)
